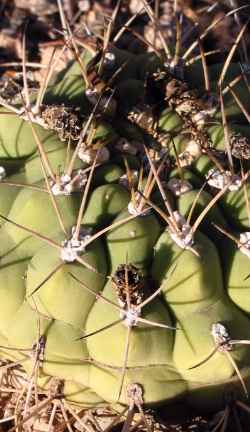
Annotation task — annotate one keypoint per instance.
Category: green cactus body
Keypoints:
(232, 109)
(89, 338)
(61, 297)
(194, 344)
(170, 121)
(235, 207)
(202, 165)
(129, 94)
(10, 192)
(4, 352)
(82, 395)
(73, 69)
(23, 331)
(122, 59)
(194, 74)
(105, 203)
(217, 136)
(108, 173)
(168, 386)
(132, 160)
(65, 354)
(131, 132)
(237, 276)
(147, 64)
(17, 141)
(194, 281)
(28, 210)
(185, 203)
(104, 133)
(187, 175)
(194, 290)
(149, 352)
(133, 241)
(169, 132)
(68, 88)
(57, 155)
(12, 289)
(157, 198)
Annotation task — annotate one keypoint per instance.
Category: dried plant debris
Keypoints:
(11, 86)
(64, 120)
(240, 146)
(128, 281)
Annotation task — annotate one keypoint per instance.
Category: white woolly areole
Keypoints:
(73, 247)
(178, 187)
(191, 153)
(200, 118)
(184, 236)
(245, 67)
(63, 186)
(33, 116)
(66, 184)
(2, 173)
(134, 209)
(221, 337)
(193, 148)
(89, 92)
(184, 107)
(79, 180)
(130, 317)
(88, 155)
(92, 95)
(123, 180)
(124, 145)
(244, 246)
(109, 56)
(135, 394)
(219, 180)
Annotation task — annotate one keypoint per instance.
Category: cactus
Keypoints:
(124, 236)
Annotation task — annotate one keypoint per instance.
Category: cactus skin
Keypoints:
(61, 298)
(132, 242)
(108, 348)
(105, 203)
(197, 291)
(237, 276)
(17, 142)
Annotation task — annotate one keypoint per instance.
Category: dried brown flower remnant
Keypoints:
(128, 281)
(64, 120)
(11, 86)
(240, 146)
